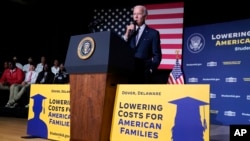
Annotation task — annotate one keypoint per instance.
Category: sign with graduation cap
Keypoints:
(49, 112)
(36, 126)
(161, 113)
(187, 122)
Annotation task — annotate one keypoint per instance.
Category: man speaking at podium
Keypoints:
(145, 42)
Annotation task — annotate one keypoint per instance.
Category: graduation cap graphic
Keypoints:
(39, 103)
(187, 123)
(36, 126)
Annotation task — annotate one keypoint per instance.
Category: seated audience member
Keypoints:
(55, 68)
(45, 76)
(39, 66)
(20, 89)
(10, 76)
(27, 66)
(18, 64)
(5, 66)
(62, 77)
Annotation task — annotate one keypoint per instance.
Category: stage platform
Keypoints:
(13, 128)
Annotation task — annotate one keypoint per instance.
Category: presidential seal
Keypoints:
(86, 48)
(195, 43)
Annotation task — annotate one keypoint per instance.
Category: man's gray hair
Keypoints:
(144, 9)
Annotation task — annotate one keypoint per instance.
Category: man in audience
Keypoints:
(55, 68)
(27, 66)
(5, 66)
(18, 64)
(10, 77)
(40, 65)
(20, 89)
(45, 76)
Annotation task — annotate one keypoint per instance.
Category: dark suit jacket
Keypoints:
(49, 79)
(148, 48)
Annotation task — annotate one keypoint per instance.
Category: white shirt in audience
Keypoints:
(39, 67)
(55, 70)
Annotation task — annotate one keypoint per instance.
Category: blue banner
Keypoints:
(218, 54)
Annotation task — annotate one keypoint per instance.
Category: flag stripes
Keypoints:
(168, 20)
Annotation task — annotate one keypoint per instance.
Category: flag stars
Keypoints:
(114, 19)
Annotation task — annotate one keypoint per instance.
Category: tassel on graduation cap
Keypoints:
(204, 120)
(188, 124)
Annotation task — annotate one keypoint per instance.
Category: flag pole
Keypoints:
(177, 54)
(176, 75)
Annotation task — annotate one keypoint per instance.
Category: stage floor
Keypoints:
(219, 133)
(12, 129)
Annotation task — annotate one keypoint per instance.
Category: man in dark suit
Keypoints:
(46, 76)
(145, 42)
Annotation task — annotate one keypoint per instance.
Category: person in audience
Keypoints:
(55, 68)
(62, 77)
(11, 77)
(26, 67)
(20, 89)
(40, 65)
(45, 76)
(5, 66)
(18, 64)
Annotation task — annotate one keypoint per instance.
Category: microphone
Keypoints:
(135, 23)
(132, 32)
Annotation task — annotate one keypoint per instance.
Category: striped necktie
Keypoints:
(137, 36)
(30, 76)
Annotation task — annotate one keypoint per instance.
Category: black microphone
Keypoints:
(135, 23)
(132, 32)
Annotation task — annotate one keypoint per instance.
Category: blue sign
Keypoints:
(218, 54)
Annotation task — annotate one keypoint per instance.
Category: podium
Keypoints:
(96, 62)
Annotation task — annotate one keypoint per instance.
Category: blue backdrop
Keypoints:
(219, 55)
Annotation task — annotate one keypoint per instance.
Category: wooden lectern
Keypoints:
(96, 62)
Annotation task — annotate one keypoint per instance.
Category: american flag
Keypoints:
(167, 18)
(176, 75)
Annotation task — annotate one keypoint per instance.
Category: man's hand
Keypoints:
(130, 28)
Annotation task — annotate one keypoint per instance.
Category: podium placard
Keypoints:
(49, 112)
(161, 113)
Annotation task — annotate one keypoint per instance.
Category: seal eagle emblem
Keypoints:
(86, 48)
(195, 43)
